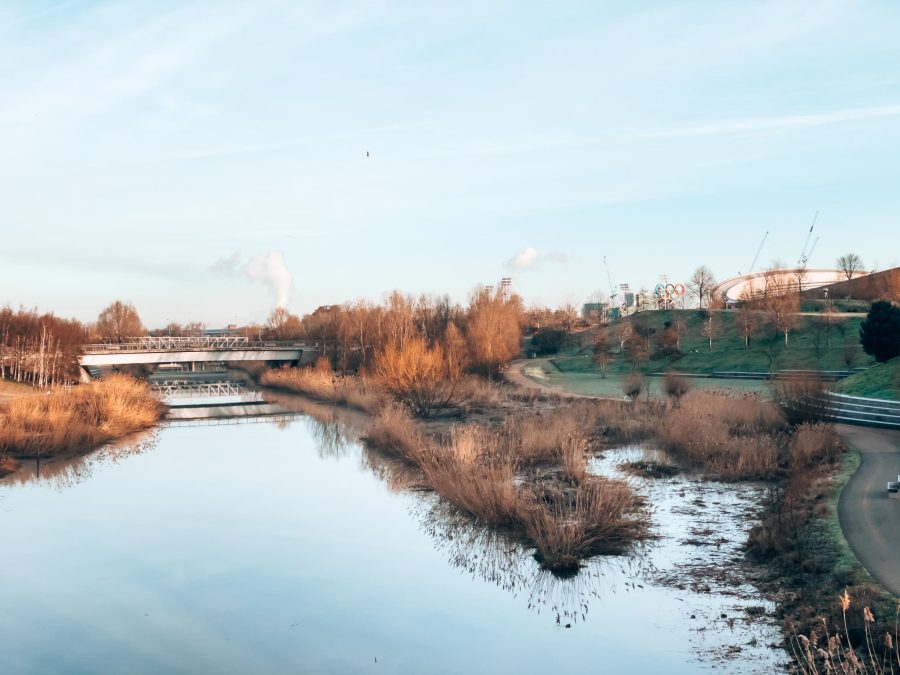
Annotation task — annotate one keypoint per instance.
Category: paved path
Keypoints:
(871, 521)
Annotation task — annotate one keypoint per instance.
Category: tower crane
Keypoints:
(612, 289)
(758, 251)
(804, 256)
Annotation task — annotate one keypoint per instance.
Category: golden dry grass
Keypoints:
(567, 517)
(730, 437)
(602, 516)
(393, 430)
(77, 420)
(323, 385)
(814, 444)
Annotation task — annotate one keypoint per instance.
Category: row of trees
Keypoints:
(480, 337)
(38, 348)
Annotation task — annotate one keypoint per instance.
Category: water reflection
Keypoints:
(65, 472)
(498, 558)
(240, 550)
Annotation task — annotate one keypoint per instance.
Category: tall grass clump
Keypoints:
(852, 639)
(603, 516)
(323, 385)
(729, 437)
(676, 386)
(802, 399)
(561, 510)
(814, 444)
(393, 430)
(77, 420)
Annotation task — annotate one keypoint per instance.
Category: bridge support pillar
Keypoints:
(84, 375)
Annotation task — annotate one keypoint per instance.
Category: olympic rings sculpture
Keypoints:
(669, 291)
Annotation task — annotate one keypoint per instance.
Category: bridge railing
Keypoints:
(179, 344)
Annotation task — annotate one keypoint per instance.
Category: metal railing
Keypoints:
(180, 344)
(186, 388)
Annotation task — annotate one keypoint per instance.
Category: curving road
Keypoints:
(871, 521)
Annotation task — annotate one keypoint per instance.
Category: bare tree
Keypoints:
(701, 283)
(119, 321)
(709, 328)
(850, 265)
(747, 320)
(602, 350)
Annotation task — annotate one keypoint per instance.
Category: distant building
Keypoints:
(777, 282)
(594, 310)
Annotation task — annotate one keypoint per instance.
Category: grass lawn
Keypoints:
(591, 384)
(879, 381)
(815, 344)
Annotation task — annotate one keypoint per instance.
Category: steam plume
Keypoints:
(268, 269)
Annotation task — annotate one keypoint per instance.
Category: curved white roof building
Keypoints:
(777, 281)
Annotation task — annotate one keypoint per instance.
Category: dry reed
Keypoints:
(76, 420)
(604, 516)
(566, 516)
(323, 385)
(727, 436)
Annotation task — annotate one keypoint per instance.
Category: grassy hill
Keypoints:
(879, 381)
(808, 347)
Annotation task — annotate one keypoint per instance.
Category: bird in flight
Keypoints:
(367, 153)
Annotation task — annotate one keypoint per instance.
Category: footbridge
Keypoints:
(156, 351)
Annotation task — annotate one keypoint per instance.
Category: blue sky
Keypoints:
(150, 150)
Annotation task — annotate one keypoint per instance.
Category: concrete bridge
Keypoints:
(156, 351)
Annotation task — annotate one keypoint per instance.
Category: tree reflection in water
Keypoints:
(65, 472)
(497, 557)
(484, 552)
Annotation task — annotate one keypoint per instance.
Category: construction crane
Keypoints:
(612, 289)
(758, 251)
(804, 255)
(812, 248)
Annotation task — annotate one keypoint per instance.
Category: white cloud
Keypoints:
(530, 257)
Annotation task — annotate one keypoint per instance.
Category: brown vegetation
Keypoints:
(76, 420)
(566, 514)
(853, 639)
(729, 437)
(8, 465)
(676, 386)
(39, 349)
(323, 385)
(421, 377)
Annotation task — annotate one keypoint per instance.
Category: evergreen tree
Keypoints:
(879, 333)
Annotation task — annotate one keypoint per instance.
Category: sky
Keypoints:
(207, 160)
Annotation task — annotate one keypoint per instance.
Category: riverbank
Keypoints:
(793, 549)
(60, 422)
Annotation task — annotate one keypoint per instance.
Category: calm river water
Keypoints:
(276, 548)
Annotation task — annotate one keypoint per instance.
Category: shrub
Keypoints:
(802, 399)
(633, 385)
(676, 386)
(548, 340)
(419, 376)
(879, 333)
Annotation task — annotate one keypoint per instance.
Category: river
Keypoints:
(284, 547)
